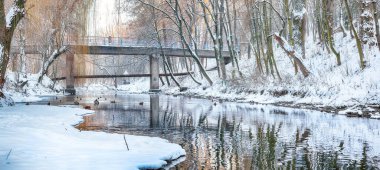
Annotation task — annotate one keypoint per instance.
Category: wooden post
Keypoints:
(70, 73)
(154, 73)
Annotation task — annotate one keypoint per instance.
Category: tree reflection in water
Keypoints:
(243, 136)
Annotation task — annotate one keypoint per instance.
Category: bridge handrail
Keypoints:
(114, 42)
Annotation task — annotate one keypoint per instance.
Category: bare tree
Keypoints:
(62, 24)
(177, 17)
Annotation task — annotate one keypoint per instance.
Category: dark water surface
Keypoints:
(237, 135)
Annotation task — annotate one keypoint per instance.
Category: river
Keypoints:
(227, 135)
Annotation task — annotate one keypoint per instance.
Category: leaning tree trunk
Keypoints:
(292, 54)
(46, 65)
(8, 24)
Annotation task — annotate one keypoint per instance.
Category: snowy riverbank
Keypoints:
(42, 137)
(344, 89)
(220, 92)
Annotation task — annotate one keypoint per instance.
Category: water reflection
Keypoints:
(243, 136)
(155, 111)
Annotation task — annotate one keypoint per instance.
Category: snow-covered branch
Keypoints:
(50, 60)
(15, 14)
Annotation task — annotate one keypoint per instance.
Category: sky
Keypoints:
(103, 16)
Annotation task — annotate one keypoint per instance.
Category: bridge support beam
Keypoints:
(70, 73)
(154, 73)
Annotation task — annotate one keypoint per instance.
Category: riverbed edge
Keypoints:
(353, 110)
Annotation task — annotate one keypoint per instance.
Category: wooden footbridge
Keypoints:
(122, 46)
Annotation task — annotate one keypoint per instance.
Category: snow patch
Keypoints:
(375, 115)
(25, 87)
(41, 137)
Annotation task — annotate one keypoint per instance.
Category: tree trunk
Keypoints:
(231, 35)
(367, 27)
(292, 54)
(46, 65)
(268, 40)
(290, 22)
(303, 34)
(374, 6)
(341, 21)
(236, 40)
(165, 44)
(22, 50)
(213, 37)
(220, 38)
(329, 24)
(254, 42)
(358, 42)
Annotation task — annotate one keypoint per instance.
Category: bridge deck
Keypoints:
(121, 50)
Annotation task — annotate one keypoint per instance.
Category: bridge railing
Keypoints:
(125, 42)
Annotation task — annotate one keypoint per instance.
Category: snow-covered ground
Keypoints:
(25, 88)
(140, 86)
(43, 137)
(328, 85)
